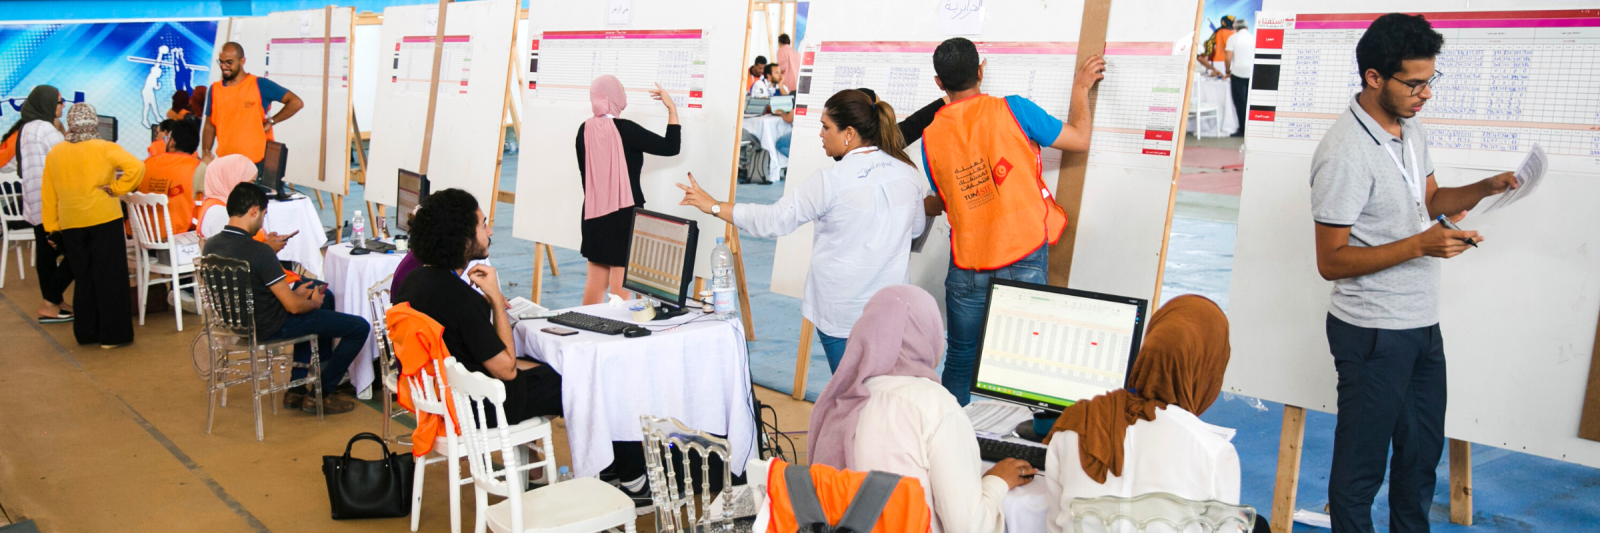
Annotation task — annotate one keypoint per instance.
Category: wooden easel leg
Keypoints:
(1461, 482)
(1289, 448)
(550, 253)
(744, 288)
(338, 208)
(319, 199)
(802, 363)
(538, 271)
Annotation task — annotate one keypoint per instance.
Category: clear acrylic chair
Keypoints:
(152, 230)
(1115, 513)
(14, 228)
(238, 355)
(676, 511)
(582, 505)
(388, 368)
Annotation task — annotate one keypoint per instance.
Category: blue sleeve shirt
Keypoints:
(270, 92)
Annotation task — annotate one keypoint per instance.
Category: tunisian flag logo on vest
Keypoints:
(1001, 170)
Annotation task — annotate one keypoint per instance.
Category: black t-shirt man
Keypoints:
(265, 271)
(469, 334)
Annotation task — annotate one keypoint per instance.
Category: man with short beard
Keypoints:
(236, 115)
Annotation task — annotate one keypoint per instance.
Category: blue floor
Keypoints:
(1513, 492)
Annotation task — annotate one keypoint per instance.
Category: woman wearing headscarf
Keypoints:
(221, 176)
(180, 106)
(79, 199)
(885, 410)
(32, 137)
(610, 155)
(1149, 437)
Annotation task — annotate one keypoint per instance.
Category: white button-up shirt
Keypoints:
(867, 208)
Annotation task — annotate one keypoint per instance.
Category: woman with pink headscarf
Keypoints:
(885, 410)
(610, 155)
(221, 176)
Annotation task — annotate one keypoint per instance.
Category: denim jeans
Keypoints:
(327, 324)
(965, 292)
(833, 347)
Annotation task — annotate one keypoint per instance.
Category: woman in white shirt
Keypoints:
(867, 208)
(885, 410)
(35, 133)
(1127, 443)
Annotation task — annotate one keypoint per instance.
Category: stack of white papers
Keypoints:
(1529, 174)
(996, 419)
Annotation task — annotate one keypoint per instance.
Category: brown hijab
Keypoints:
(1184, 355)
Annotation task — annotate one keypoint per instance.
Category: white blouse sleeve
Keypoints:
(953, 461)
(788, 214)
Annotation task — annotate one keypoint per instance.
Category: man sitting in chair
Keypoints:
(284, 312)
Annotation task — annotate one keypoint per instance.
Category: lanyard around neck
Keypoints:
(1416, 184)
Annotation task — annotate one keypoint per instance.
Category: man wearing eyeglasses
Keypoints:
(1374, 201)
(236, 111)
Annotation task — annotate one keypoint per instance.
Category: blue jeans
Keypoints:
(327, 324)
(782, 144)
(833, 347)
(965, 292)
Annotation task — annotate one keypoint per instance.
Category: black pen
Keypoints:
(1443, 221)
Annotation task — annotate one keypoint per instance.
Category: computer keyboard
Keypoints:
(994, 450)
(604, 326)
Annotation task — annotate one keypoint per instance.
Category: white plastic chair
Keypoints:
(14, 228)
(1200, 111)
(582, 505)
(152, 229)
(1115, 513)
(427, 396)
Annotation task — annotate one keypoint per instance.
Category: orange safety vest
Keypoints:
(261, 235)
(8, 149)
(171, 174)
(237, 112)
(989, 174)
(418, 342)
(157, 147)
(906, 512)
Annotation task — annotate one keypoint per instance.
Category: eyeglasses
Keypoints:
(1418, 86)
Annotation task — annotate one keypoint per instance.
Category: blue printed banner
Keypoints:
(127, 70)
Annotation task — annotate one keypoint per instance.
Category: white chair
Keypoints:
(428, 395)
(676, 512)
(14, 228)
(1200, 111)
(582, 505)
(152, 229)
(388, 370)
(1179, 514)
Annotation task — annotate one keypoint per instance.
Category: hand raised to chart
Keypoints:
(694, 196)
(1091, 71)
(661, 95)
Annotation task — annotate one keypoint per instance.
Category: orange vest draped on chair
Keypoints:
(418, 342)
(237, 113)
(906, 512)
(989, 174)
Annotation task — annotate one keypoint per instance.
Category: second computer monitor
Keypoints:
(661, 256)
(273, 160)
(413, 188)
(1049, 347)
(107, 128)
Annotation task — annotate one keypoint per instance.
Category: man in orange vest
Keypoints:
(236, 112)
(172, 173)
(981, 154)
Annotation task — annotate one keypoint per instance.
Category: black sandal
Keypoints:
(61, 316)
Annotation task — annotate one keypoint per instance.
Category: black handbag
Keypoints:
(359, 488)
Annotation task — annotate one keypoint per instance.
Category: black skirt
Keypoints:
(606, 238)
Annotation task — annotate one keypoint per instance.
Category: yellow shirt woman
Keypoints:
(77, 176)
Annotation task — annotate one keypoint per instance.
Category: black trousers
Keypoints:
(1241, 97)
(1392, 391)
(99, 264)
(51, 267)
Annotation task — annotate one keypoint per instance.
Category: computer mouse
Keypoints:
(635, 331)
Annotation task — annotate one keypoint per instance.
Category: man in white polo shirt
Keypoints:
(1375, 201)
(1241, 50)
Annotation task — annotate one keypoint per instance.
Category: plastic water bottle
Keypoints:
(722, 289)
(358, 230)
(563, 474)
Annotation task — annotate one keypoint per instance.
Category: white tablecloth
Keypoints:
(1027, 507)
(349, 277)
(298, 215)
(770, 128)
(698, 373)
(1210, 90)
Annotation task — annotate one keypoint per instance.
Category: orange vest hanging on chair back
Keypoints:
(989, 174)
(418, 342)
(905, 512)
(236, 113)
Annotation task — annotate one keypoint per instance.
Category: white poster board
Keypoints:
(295, 59)
(472, 90)
(368, 50)
(1519, 313)
(695, 54)
(1128, 190)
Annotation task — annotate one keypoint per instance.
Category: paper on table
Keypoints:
(1529, 174)
(996, 418)
(961, 17)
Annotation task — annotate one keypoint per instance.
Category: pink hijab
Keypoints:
(225, 172)
(899, 334)
(606, 186)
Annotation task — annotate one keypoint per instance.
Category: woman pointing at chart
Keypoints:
(867, 208)
(610, 155)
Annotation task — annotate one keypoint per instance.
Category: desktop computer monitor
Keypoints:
(1048, 347)
(661, 259)
(274, 159)
(413, 189)
(108, 128)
